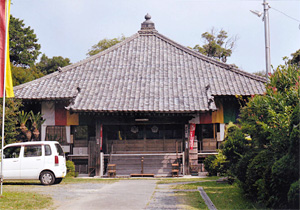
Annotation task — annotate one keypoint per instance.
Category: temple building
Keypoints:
(143, 105)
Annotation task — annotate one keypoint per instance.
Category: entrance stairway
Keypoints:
(159, 165)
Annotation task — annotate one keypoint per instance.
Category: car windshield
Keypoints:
(59, 150)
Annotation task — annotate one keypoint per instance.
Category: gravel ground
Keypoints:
(61, 193)
(143, 194)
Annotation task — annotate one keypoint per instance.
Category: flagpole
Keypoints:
(4, 84)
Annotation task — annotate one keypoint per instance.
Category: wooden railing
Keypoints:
(145, 146)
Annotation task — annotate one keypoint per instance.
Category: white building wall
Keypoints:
(48, 112)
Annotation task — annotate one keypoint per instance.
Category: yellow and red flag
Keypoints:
(5, 70)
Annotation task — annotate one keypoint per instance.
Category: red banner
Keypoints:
(192, 134)
(2, 44)
(101, 137)
(4, 53)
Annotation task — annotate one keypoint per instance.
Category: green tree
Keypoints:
(104, 44)
(23, 45)
(22, 75)
(217, 45)
(295, 58)
(261, 73)
(12, 107)
(50, 65)
(268, 170)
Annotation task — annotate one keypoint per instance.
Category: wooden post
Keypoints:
(181, 147)
(183, 164)
(214, 127)
(176, 145)
(101, 164)
(142, 164)
(97, 149)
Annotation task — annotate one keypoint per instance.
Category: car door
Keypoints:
(11, 162)
(32, 162)
(49, 157)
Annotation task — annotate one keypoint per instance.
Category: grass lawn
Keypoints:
(67, 180)
(71, 180)
(21, 200)
(174, 180)
(224, 196)
(191, 200)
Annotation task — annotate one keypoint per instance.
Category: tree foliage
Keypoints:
(261, 73)
(50, 65)
(12, 107)
(217, 45)
(22, 75)
(295, 58)
(23, 45)
(30, 124)
(104, 44)
(268, 164)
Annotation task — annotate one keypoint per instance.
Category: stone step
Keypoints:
(159, 165)
(121, 167)
(139, 168)
(156, 173)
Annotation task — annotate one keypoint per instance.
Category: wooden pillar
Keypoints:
(101, 164)
(183, 163)
(97, 149)
(193, 155)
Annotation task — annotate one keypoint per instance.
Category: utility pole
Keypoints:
(267, 37)
(267, 34)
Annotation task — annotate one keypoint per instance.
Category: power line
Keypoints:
(285, 14)
(234, 0)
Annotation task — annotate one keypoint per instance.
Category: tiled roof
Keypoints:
(145, 72)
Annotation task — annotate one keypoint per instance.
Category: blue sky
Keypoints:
(69, 28)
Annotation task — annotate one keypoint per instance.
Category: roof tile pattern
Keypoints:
(145, 72)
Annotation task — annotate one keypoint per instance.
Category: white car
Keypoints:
(43, 160)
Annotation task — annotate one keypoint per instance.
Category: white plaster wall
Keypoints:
(48, 112)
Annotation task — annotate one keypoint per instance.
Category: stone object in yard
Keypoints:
(223, 180)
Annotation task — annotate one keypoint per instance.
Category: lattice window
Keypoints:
(56, 133)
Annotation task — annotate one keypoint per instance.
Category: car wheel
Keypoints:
(58, 180)
(47, 178)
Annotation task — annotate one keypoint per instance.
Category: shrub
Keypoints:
(240, 170)
(284, 173)
(235, 145)
(258, 176)
(70, 168)
(293, 195)
(216, 164)
(220, 164)
(208, 165)
(267, 167)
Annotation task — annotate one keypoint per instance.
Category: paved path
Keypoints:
(136, 194)
(124, 194)
(163, 198)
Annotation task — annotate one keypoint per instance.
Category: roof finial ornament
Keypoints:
(148, 25)
(147, 17)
